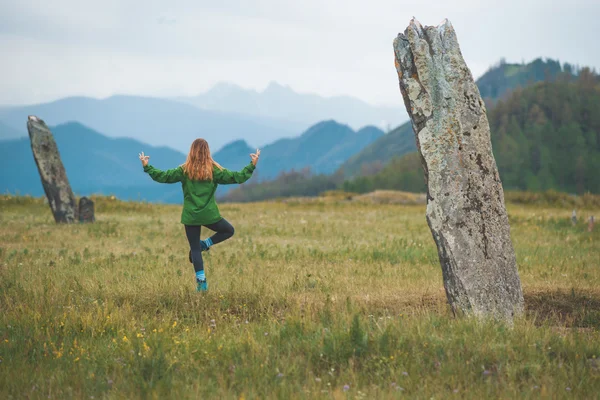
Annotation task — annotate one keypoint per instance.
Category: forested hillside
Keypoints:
(497, 83)
(545, 137)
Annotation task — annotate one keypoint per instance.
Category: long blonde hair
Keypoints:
(199, 163)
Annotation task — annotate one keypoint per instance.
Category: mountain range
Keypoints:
(154, 121)
(99, 164)
(104, 164)
(545, 136)
(8, 132)
(224, 114)
(374, 156)
(324, 148)
(279, 102)
(94, 164)
(545, 133)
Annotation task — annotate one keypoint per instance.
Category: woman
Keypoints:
(199, 177)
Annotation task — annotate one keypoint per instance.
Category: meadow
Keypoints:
(309, 299)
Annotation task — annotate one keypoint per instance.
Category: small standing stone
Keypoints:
(591, 224)
(52, 172)
(86, 210)
(574, 218)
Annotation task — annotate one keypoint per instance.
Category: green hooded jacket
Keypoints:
(199, 206)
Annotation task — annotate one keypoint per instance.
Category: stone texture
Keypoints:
(465, 200)
(52, 172)
(86, 210)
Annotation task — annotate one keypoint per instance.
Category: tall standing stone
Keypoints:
(52, 172)
(465, 200)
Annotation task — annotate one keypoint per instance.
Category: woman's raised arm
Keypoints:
(169, 176)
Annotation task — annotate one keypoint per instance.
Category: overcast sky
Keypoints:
(58, 48)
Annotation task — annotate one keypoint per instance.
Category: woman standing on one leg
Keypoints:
(199, 177)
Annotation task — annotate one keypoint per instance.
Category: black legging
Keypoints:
(223, 230)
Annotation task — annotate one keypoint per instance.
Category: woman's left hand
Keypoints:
(144, 159)
(255, 156)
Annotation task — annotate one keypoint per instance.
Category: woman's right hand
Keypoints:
(144, 159)
(255, 156)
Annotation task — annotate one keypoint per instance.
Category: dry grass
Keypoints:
(306, 298)
(392, 197)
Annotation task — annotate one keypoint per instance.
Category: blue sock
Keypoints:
(200, 276)
(207, 243)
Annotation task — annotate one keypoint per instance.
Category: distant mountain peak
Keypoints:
(369, 128)
(235, 145)
(277, 88)
(324, 125)
(323, 147)
(156, 121)
(502, 78)
(279, 104)
(328, 122)
(223, 90)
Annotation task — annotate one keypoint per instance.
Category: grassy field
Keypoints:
(308, 300)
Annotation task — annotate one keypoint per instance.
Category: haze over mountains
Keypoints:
(545, 130)
(94, 164)
(98, 164)
(280, 102)
(222, 115)
(8, 132)
(165, 128)
(157, 122)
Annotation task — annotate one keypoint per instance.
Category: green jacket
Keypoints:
(199, 206)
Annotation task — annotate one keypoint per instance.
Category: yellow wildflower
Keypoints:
(125, 339)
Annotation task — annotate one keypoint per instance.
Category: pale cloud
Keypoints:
(67, 47)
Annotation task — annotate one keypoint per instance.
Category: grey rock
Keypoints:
(86, 210)
(465, 200)
(52, 172)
